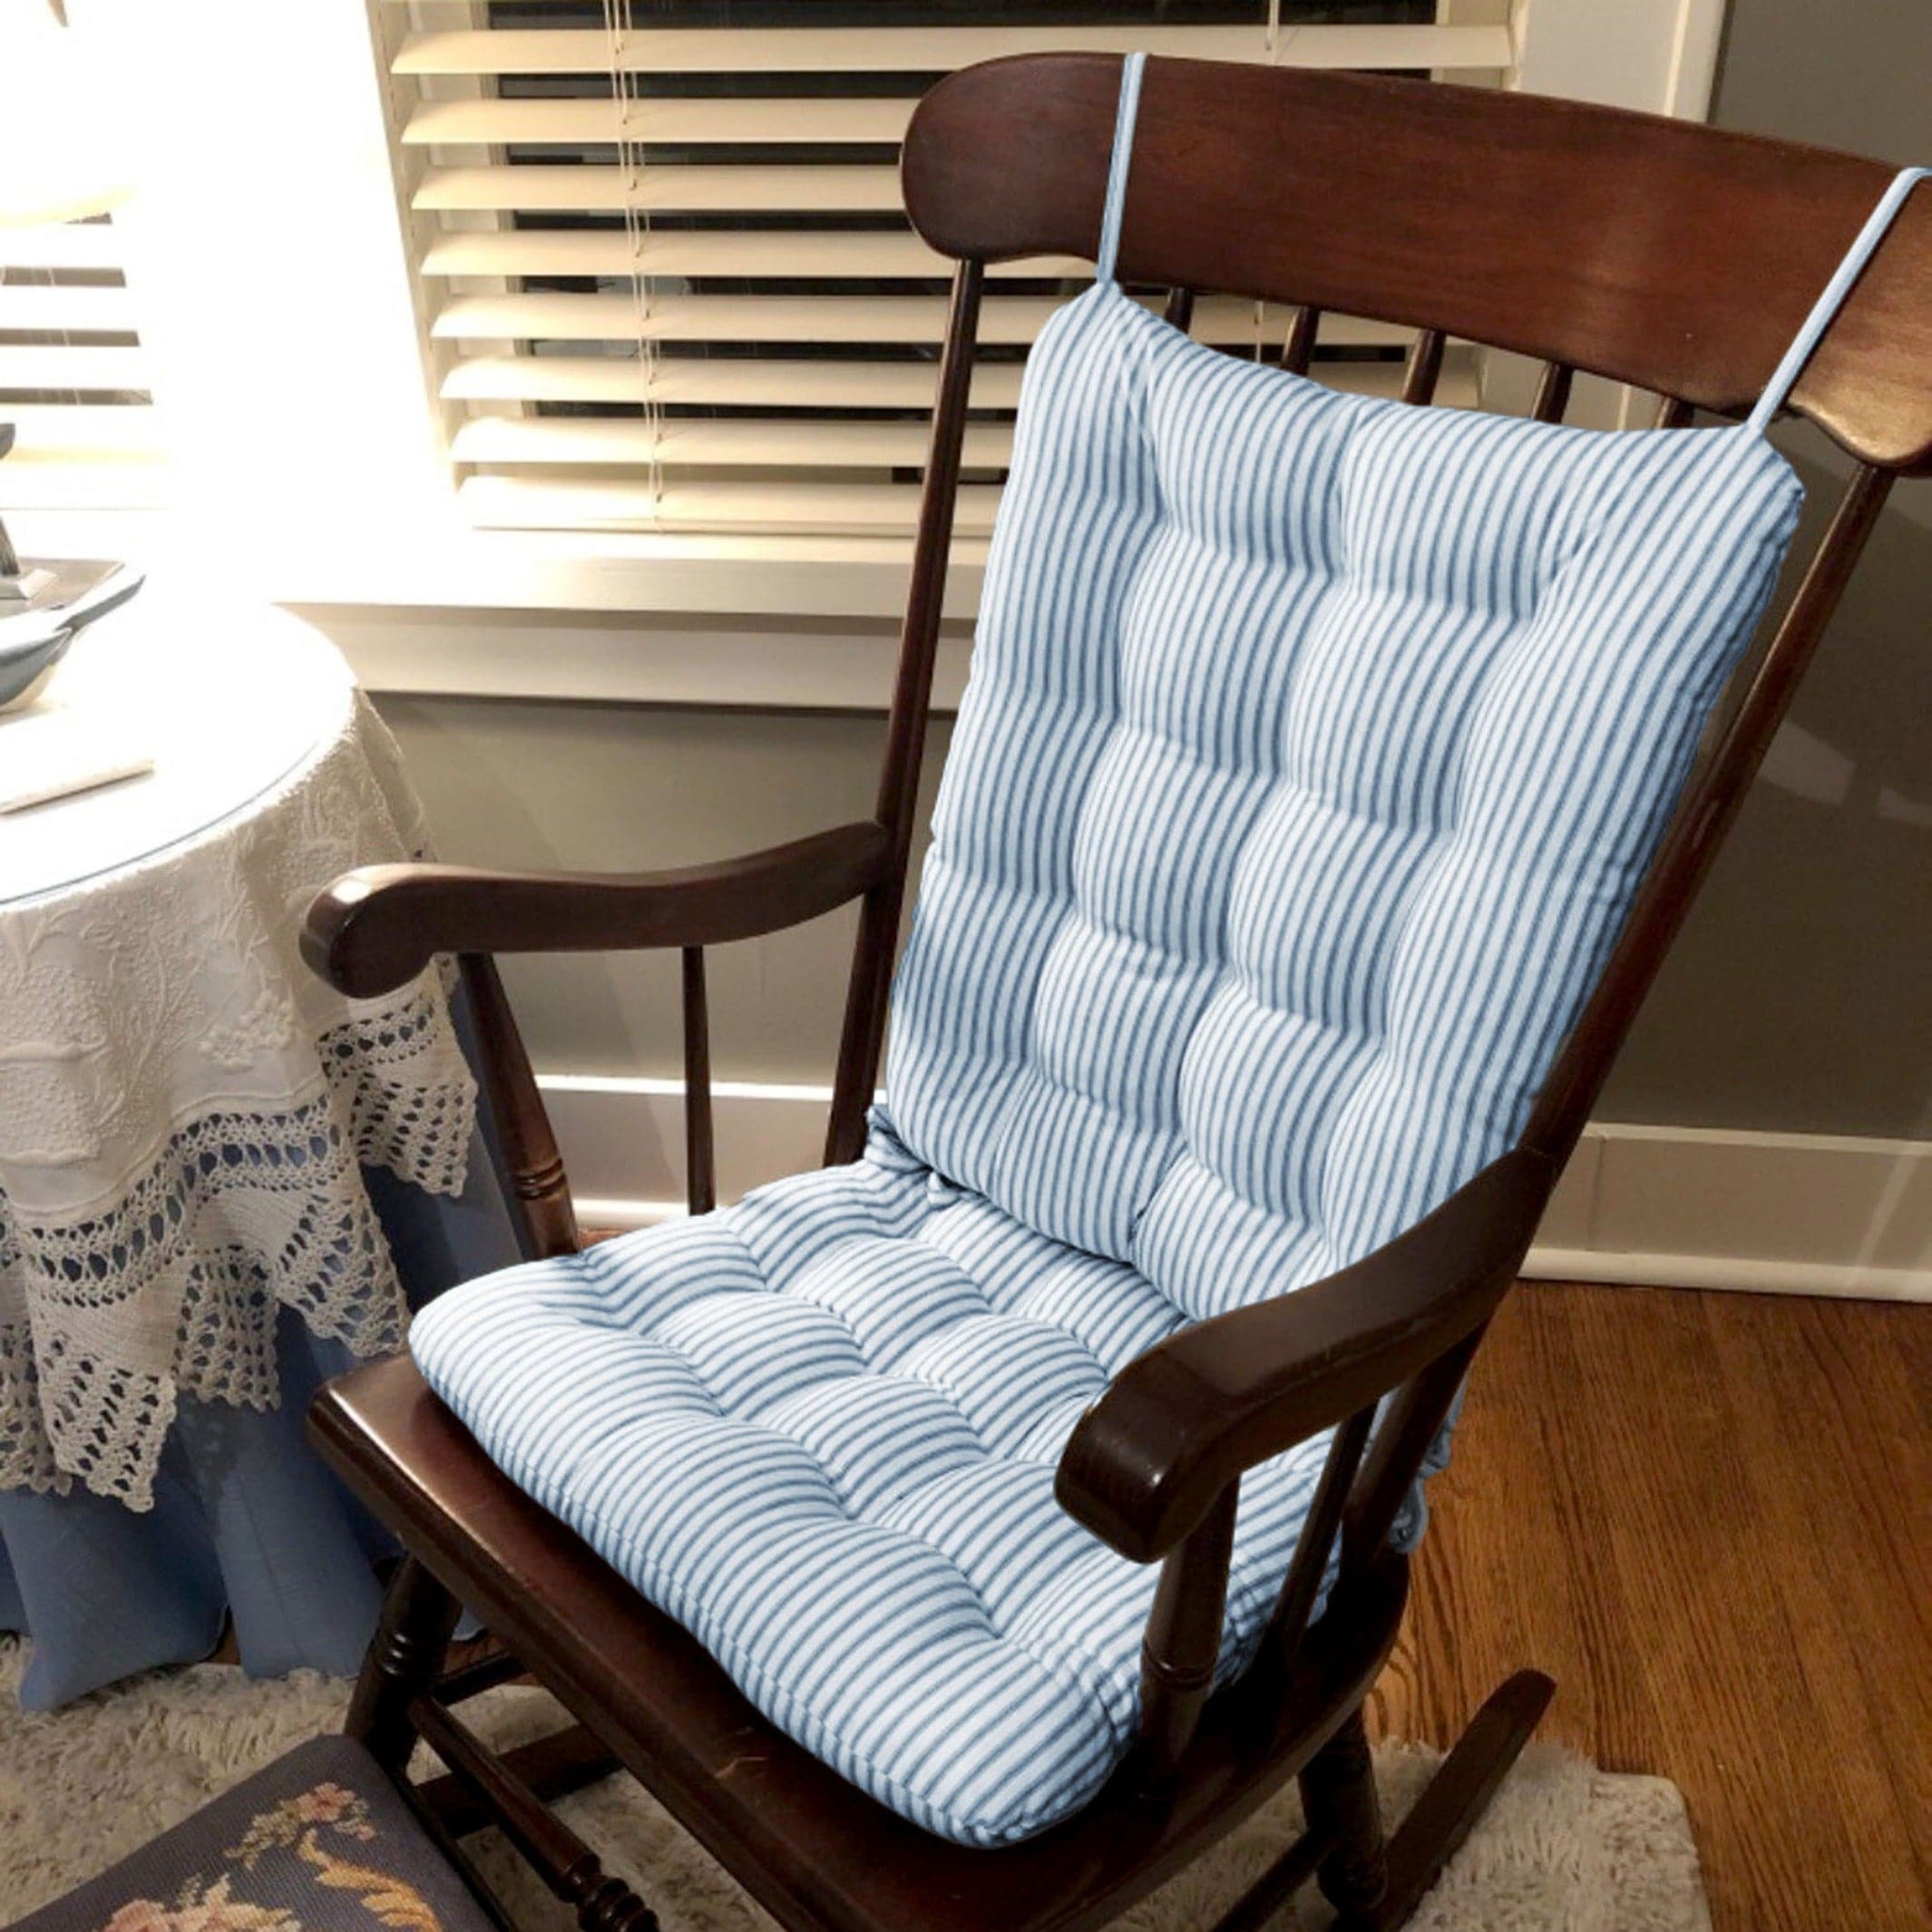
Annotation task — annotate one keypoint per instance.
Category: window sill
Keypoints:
(809, 577)
(782, 623)
(805, 623)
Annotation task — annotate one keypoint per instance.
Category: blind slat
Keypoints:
(58, 366)
(789, 383)
(691, 189)
(792, 256)
(734, 382)
(25, 306)
(589, 442)
(930, 49)
(67, 244)
(729, 318)
(509, 502)
(94, 482)
(77, 431)
(1004, 319)
(763, 122)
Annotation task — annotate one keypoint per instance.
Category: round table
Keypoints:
(219, 1179)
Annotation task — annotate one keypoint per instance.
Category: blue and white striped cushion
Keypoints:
(1314, 749)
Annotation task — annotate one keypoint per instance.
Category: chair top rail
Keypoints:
(1664, 253)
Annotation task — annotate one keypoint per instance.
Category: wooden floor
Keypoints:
(1710, 1517)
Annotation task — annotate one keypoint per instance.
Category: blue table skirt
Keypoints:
(246, 1521)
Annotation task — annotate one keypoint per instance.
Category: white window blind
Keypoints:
(73, 380)
(667, 278)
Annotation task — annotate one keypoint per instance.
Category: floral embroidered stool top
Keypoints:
(319, 1841)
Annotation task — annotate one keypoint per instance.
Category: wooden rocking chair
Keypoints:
(1662, 255)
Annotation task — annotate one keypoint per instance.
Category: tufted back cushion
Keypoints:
(1314, 747)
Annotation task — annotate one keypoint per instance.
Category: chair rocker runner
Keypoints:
(970, 1533)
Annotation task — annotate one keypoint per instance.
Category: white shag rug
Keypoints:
(1565, 1848)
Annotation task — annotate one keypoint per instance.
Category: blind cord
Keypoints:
(620, 26)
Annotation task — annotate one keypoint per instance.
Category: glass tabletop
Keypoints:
(225, 702)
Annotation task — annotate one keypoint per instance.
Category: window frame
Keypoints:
(350, 510)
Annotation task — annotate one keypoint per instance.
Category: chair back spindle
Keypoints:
(1424, 369)
(1298, 347)
(700, 1179)
(1553, 392)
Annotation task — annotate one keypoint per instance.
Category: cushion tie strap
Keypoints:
(1116, 173)
(1827, 305)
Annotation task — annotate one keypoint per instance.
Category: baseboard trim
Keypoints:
(1690, 1207)
(1743, 1274)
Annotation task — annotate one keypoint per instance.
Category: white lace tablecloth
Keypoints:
(184, 1107)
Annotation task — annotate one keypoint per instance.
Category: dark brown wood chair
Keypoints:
(1662, 255)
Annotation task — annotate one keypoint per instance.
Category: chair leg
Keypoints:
(1338, 1795)
(419, 1617)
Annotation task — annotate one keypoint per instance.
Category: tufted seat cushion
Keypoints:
(820, 1429)
(1314, 750)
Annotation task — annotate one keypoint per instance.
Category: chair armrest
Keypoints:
(1179, 1423)
(379, 927)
